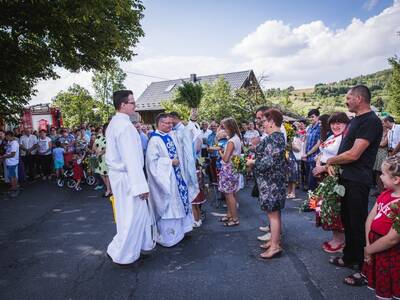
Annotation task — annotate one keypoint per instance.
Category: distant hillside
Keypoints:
(376, 82)
(329, 96)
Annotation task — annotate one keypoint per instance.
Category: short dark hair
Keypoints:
(9, 133)
(338, 117)
(120, 97)
(274, 115)
(43, 130)
(362, 91)
(313, 111)
(175, 115)
(262, 108)
(389, 119)
(161, 116)
(58, 143)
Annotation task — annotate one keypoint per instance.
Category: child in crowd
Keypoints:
(382, 253)
(58, 158)
(222, 139)
(78, 171)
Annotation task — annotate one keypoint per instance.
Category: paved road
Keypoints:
(53, 241)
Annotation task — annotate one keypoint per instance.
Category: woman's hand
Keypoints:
(250, 162)
(318, 170)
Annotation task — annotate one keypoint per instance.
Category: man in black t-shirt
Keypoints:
(356, 156)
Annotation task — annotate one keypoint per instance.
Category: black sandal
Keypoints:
(225, 219)
(338, 262)
(231, 223)
(356, 280)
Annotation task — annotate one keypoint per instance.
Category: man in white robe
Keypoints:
(188, 162)
(124, 158)
(168, 190)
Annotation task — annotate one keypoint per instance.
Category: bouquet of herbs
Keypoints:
(239, 164)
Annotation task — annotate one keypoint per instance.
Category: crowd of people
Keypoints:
(157, 176)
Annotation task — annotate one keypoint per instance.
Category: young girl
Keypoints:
(228, 179)
(78, 171)
(382, 253)
(58, 158)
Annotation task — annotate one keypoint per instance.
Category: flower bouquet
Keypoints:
(325, 199)
(290, 133)
(239, 164)
(395, 215)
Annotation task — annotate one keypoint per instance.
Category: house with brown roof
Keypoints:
(149, 102)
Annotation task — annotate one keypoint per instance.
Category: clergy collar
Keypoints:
(160, 132)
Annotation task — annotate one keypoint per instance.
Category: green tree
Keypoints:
(219, 102)
(78, 106)
(37, 36)
(105, 82)
(393, 87)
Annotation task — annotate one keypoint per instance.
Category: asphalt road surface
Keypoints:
(53, 241)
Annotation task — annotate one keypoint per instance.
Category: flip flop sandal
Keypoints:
(231, 223)
(355, 280)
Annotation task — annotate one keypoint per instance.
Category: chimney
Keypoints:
(193, 78)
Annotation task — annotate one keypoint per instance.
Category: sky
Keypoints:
(291, 43)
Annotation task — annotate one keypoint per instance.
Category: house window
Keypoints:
(169, 88)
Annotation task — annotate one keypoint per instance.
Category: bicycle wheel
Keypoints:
(60, 182)
(90, 180)
(71, 183)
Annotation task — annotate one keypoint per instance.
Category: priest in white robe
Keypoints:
(124, 158)
(168, 186)
(188, 162)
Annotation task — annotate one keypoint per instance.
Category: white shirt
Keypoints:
(12, 146)
(28, 142)
(204, 136)
(394, 136)
(43, 144)
(330, 147)
(250, 134)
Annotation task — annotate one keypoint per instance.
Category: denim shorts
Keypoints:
(12, 171)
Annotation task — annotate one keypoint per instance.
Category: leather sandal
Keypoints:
(232, 223)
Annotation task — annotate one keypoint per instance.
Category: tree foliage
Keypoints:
(105, 82)
(78, 106)
(220, 101)
(393, 86)
(37, 36)
(189, 94)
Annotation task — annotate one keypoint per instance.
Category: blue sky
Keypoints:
(212, 26)
(298, 43)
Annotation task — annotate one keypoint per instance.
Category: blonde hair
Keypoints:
(393, 165)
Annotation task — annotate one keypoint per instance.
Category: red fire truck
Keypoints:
(41, 116)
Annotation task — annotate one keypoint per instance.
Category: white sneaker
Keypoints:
(264, 238)
(265, 228)
(197, 224)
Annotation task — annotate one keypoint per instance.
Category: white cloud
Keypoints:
(321, 54)
(370, 4)
(300, 56)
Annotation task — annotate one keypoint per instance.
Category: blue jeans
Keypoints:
(312, 181)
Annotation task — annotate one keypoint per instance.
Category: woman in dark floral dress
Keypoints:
(269, 169)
